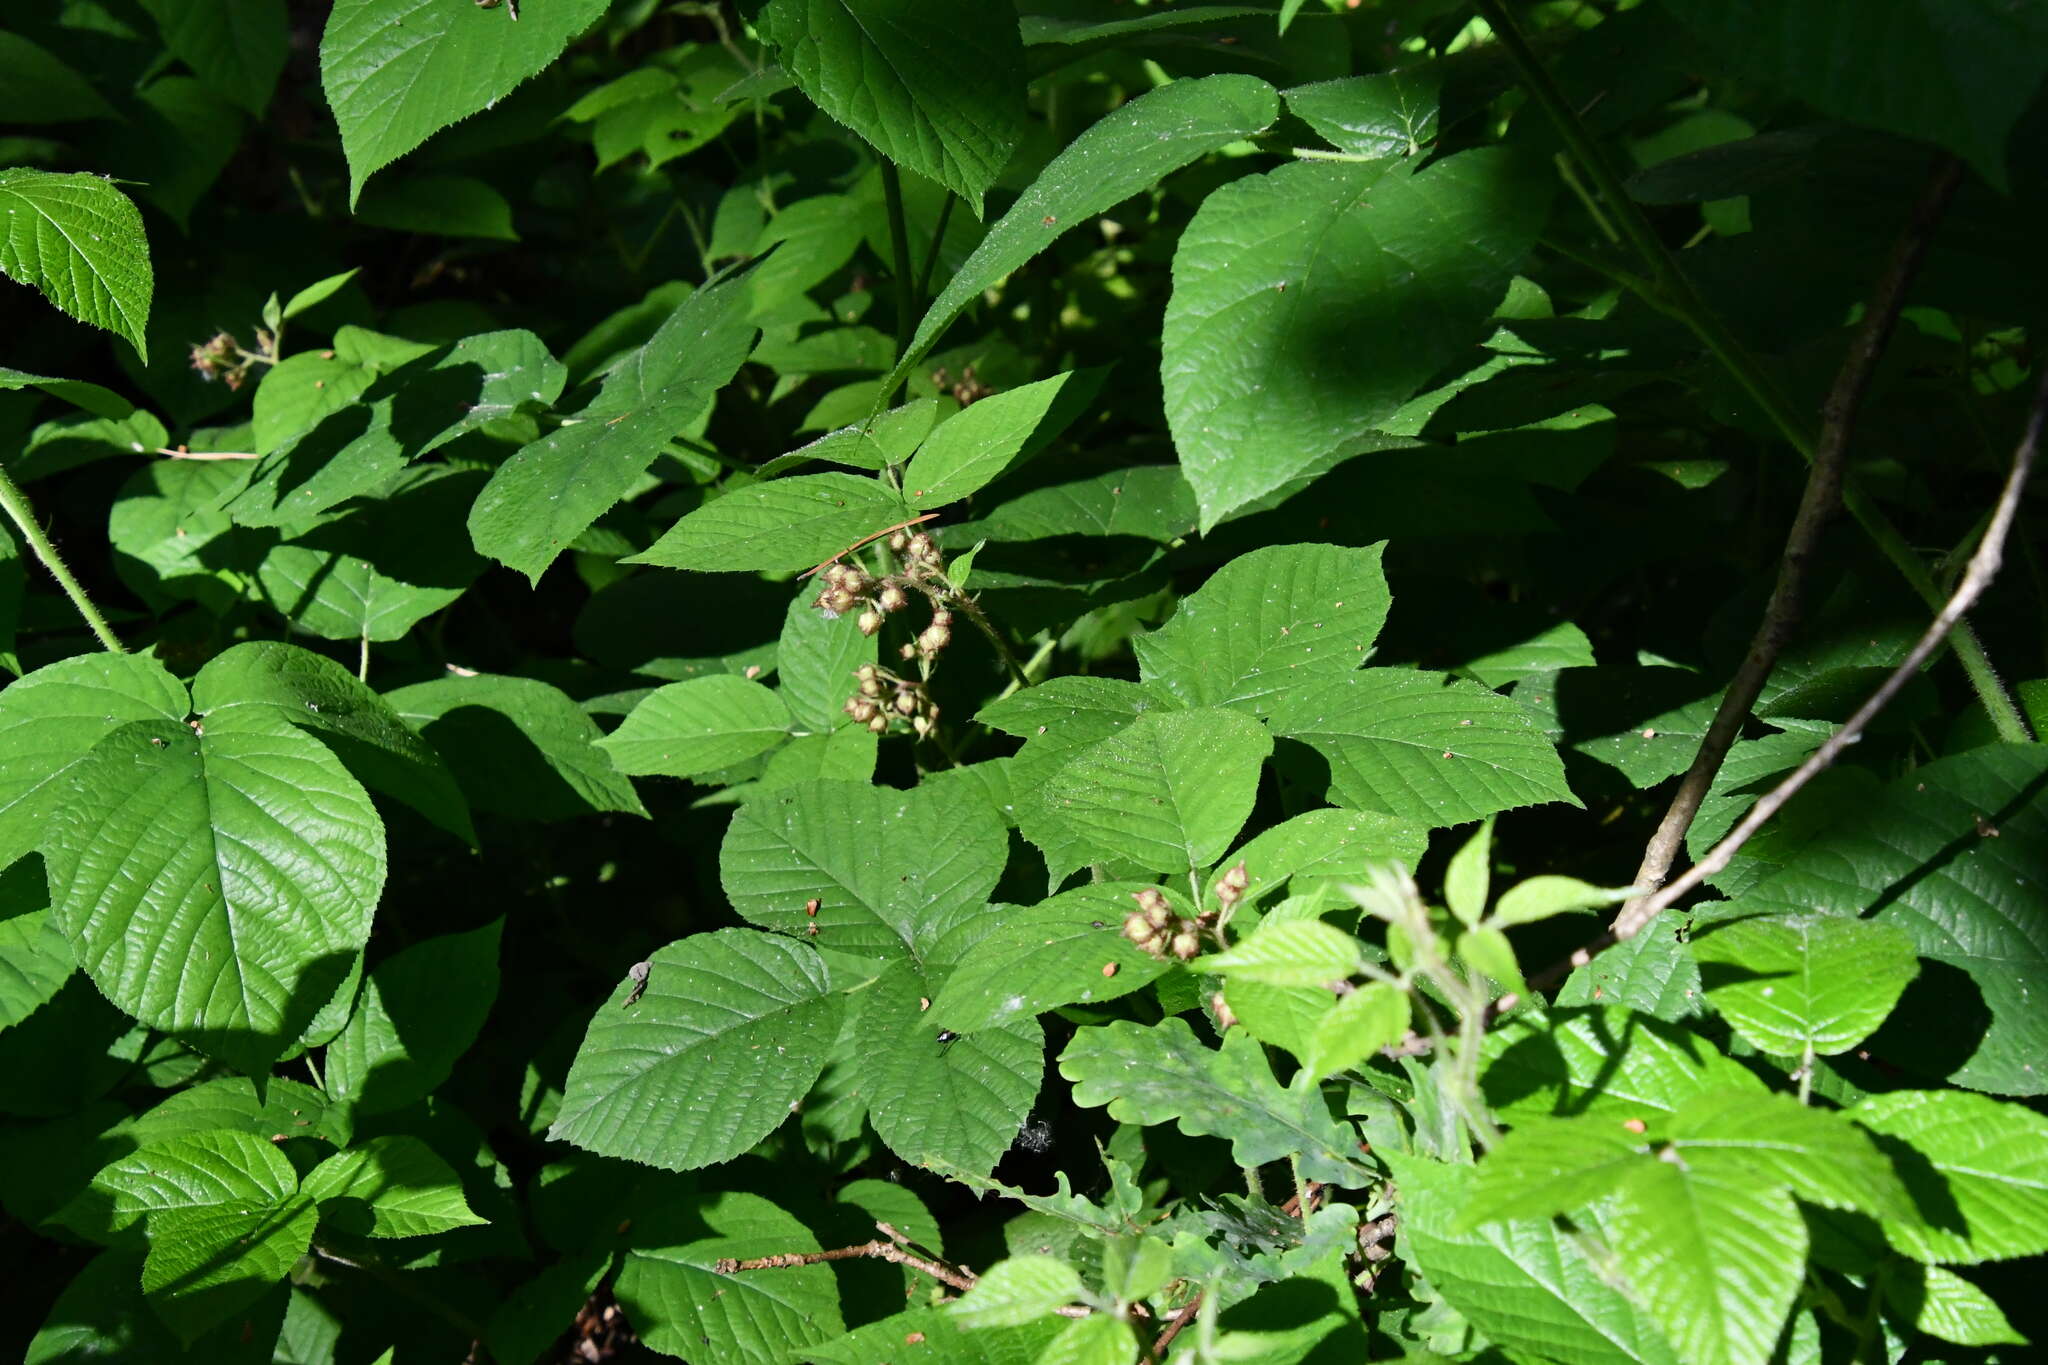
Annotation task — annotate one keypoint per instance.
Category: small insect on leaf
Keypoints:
(638, 973)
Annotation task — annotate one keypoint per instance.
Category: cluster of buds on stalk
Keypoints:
(880, 698)
(221, 357)
(848, 587)
(1155, 929)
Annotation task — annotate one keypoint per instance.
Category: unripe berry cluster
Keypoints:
(1154, 927)
(880, 697)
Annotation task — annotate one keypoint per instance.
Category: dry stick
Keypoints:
(1180, 1319)
(876, 1250)
(865, 540)
(1816, 509)
(1983, 567)
(180, 453)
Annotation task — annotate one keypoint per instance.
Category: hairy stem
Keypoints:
(899, 248)
(1674, 295)
(16, 504)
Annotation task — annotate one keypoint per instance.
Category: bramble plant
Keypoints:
(1073, 682)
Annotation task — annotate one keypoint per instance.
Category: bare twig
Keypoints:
(866, 540)
(878, 1249)
(1983, 567)
(1179, 1320)
(1816, 508)
(180, 453)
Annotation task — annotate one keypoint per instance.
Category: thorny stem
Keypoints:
(1673, 294)
(1816, 509)
(16, 505)
(974, 613)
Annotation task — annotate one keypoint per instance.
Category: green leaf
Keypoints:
(438, 205)
(101, 1315)
(953, 1106)
(388, 1187)
(815, 662)
(172, 542)
(1168, 793)
(398, 71)
(786, 524)
(1604, 1061)
(1790, 984)
(1487, 950)
(215, 885)
(224, 1221)
(420, 1010)
(945, 1341)
(1359, 1024)
(79, 242)
(1553, 1166)
(979, 444)
(936, 85)
(290, 1108)
(1414, 746)
(1058, 952)
(518, 747)
(1269, 622)
(1526, 1283)
(682, 1305)
(1098, 1339)
(317, 293)
(35, 957)
(1305, 952)
(269, 681)
(1382, 117)
(101, 402)
(1957, 73)
(1153, 502)
(1017, 1290)
(1943, 1304)
(1469, 875)
(1334, 844)
(37, 87)
(1123, 153)
(730, 1032)
(1153, 1075)
(687, 729)
(1977, 1171)
(1538, 898)
(238, 49)
(1404, 267)
(1912, 854)
(891, 871)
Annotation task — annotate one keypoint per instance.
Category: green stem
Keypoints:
(24, 517)
(931, 257)
(1253, 1185)
(899, 247)
(1673, 293)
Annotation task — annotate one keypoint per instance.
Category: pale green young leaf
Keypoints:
(1601, 1061)
(1125, 152)
(1540, 897)
(1098, 1339)
(391, 1186)
(1526, 1283)
(268, 680)
(238, 50)
(731, 1029)
(215, 885)
(1470, 874)
(317, 293)
(1333, 844)
(1487, 949)
(979, 444)
(891, 870)
(1168, 793)
(79, 242)
(785, 524)
(1163, 1073)
(1413, 746)
(1285, 1016)
(1290, 953)
(687, 729)
(1382, 117)
(1790, 984)
(936, 85)
(1404, 266)
(1977, 1170)
(682, 1305)
(953, 1106)
(420, 1010)
(1268, 623)
(398, 71)
(1063, 951)
(1355, 1027)
(1017, 1290)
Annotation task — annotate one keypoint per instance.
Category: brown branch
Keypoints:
(878, 1249)
(1176, 1322)
(1976, 578)
(1817, 506)
(865, 540)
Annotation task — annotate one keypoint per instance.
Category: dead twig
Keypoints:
(821, 566)
(1817, 506)
(1180, 1319)
(1984, 565)
(180, 453)
(893, 1250)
